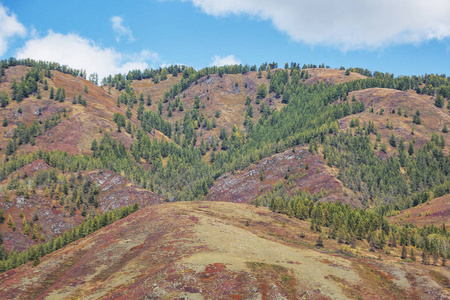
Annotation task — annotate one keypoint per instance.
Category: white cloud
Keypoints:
(219, 61)
(9, 27)
(81, 53)
(346, 24)
(120, 30)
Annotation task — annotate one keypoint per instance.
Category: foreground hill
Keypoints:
(220, 251)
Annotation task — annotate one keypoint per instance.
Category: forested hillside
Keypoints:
(341, 149)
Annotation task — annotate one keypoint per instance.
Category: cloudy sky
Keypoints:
(401, 36)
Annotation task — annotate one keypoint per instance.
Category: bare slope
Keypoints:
(298, 170)
(331, 76)
(204, 250)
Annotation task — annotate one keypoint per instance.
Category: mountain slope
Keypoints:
(299, 170)
(53, 217)
(390, 101)
(435, 211)
(75, 132)
(198, 250)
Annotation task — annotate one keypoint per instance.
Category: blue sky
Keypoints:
(401, 37)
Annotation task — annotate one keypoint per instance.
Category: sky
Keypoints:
(404, 37)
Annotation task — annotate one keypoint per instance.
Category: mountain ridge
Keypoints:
(339, 158)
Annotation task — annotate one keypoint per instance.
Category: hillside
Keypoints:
(296, 168)
(227, 94)
(390, 101)
(51, 214)
(205, 250)
(80, 125)
(436, 211)
(272, 173)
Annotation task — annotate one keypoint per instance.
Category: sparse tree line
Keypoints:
(72, 193)
(24, 134)
(47, 66)
(14, 259)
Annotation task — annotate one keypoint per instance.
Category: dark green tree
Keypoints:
(261, 93)
(128, 113)
(119, 119)
(393, 140)
(439, 101)
(160, 107)
(411, 149)
(416, 118)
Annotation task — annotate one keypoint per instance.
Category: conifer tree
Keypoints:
(319, 242)
(412, 255)
(128, 113)
(393, 140)
(26, 230)
(35, 233)
(439, 101)
(425, 257)
(10, 221)
(416, 118)
(404, 252)
(262, 91)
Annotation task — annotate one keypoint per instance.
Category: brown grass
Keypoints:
(435, 211)
(433, 118)
(200, 249)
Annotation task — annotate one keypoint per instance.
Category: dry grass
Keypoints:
(433, 118)
(204, 249)
(82, 124)
(436, 211)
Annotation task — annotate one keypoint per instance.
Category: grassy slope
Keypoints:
(200, 249)
(435, 211)
(433, 118)
(76, 132)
